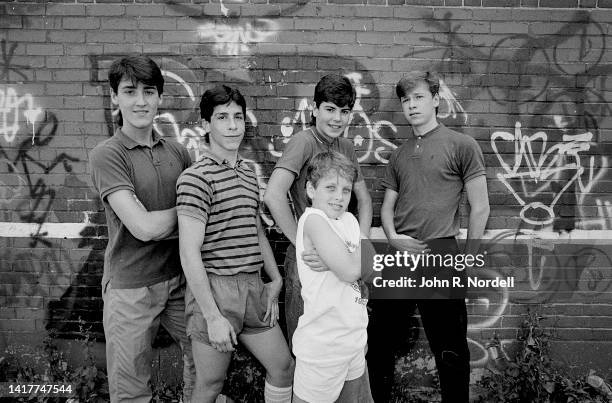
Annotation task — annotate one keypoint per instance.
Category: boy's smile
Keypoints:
(331, 195)
(331, 120)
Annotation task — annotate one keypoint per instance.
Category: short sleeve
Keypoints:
(187, 161)
(296, 154)
(349, 151)
(193, 195)
(471, 161)
(390, 180)
(110, 170)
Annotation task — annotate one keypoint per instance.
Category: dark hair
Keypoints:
(336, 89)
(138, 69)
(330, 161)
(411, 80)
(220, 95)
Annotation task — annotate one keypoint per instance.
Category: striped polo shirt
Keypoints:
(226, 201)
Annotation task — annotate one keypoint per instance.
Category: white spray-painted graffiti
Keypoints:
(235, 39)
(12, 106)
(536, 167)
(450, 106)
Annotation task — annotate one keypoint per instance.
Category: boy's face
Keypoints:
(331, 119)
(331, 195)
(226, 128)
(419, 106)
(138, 103)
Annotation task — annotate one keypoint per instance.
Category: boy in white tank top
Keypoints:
(330, 339)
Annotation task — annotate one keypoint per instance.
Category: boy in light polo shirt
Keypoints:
(223, 248)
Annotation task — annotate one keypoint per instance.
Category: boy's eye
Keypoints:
(346, 112)
(239, 117)
(346, 191)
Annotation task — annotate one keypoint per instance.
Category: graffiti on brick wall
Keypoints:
(31, 196)
(236, 39)
(538, 175)
(546, 271)
(14, 108)
(550, 81)
(6, 64)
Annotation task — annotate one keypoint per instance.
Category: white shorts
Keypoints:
(322, 383)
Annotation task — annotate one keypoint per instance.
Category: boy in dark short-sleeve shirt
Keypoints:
(424, 182)
(334, 98)
(142, 287)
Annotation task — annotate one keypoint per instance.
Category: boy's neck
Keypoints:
(230, 156)
(141, 136)
(422, 130)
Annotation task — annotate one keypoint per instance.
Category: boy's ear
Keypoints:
(206, 126)
(436, 100)
(310, 190)
(315, 110)
(161, 97)
(113, 97)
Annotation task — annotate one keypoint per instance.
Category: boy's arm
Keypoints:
(276, 284)
(191, 236)
(143, 225)
(332, 250)
(275, 198)
(364, 205)
(398, 241)
(478, 198)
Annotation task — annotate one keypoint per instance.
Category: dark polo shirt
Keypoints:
(150, 173)
(298, 152)
(226, 200)
(429, 172)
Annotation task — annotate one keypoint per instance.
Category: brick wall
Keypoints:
(532, 73)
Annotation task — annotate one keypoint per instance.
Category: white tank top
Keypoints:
(333, 326)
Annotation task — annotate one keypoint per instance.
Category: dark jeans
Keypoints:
(445, 324)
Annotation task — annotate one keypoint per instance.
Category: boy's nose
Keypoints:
(140, 98)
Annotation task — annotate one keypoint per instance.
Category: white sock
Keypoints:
(276, 394)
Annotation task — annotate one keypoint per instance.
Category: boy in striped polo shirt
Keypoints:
(223, 248)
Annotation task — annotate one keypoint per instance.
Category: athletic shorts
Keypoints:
(241, 299)
(322, 383)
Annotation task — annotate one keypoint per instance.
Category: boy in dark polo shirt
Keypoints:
(134, 172)
(223, 247)
(334, 98)
(424, 182)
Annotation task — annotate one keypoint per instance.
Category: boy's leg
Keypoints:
(211, 367)
(445, 324)
(389, 329)
(131, 319)
(294, 305)
(270, 349)
(173, 319)
(356, 389)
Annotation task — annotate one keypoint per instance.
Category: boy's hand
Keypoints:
(313, 261)
(408, 244)
(221, 334)
(273, 288)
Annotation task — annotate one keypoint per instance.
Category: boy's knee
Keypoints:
(282, 374)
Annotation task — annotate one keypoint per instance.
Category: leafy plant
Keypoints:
(532, 376)
(49, 365)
